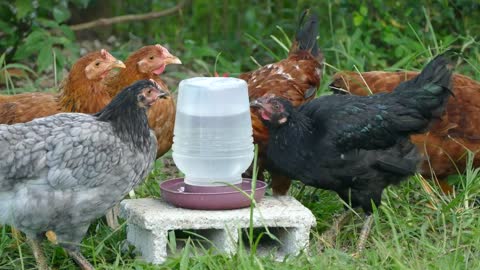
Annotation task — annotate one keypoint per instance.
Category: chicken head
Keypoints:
(99, 67)
(156, 60)
(271, 109)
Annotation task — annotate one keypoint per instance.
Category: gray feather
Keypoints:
(60, 172)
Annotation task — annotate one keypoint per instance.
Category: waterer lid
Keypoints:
(212, 96)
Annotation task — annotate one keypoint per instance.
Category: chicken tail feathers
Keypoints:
(429, 91)
(306, 34)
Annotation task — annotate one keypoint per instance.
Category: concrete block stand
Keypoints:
(151, 221)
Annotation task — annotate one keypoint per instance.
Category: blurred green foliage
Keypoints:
(372, 34)
(38, 30)
(368, 34)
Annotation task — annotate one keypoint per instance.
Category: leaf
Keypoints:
(61, 40)
(37, 36)
(67, 32)
(45, 58)
(18, 66)
(23, 8)
(363, 10)
(357, 19)
(2, 60)
(60, 59)
(61, 14)
(48, 23)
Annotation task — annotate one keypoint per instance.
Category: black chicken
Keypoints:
(355, 146)
(60, 172)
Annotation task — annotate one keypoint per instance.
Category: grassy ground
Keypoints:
(413, 229)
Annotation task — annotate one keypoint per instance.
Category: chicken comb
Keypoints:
(104, 53)
(162, 49)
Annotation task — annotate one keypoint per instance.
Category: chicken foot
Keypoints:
(83, 263)
(328, 237)
(38, 253)
(362, 240)
(112, 217)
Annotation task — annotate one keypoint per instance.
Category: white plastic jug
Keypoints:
(213, 142)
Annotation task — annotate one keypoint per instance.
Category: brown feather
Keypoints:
(77, 94)
(446, 141)
(161, 116)
(292, 78)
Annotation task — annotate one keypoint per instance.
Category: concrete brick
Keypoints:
(150, 220)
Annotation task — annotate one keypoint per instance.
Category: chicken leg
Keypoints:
(362, 240)
(77, 256)
(38, 253)
(328, 237)
(280, 184)
(112, 217)
(15, 233)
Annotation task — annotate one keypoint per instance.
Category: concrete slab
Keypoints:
(150, 221)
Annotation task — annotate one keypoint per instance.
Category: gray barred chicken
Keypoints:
(59, 173)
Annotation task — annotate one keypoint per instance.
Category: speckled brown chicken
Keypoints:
(82, 91)
(148, 63)
(447, 140)
(295, 78)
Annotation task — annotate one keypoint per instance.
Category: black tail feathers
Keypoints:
(437, 72)
(430, 90)
(307, 32)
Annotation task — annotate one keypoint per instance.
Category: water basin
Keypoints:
(177, 193)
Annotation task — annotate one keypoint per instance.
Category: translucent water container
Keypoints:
(213, 142)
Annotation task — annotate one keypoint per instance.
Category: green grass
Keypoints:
(410, 232)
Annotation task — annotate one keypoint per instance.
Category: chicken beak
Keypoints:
(118, 64)
(172, 60)
(261, 101)
(162, 94)
(256, 104)
(157, 95)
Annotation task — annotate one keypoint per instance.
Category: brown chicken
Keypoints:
(445, 144)
(82, 91)
(148, 63)
(295, 78)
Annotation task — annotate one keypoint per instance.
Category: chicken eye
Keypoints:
(97, 64)
(149, 91)
(151, 57)
(276, 106)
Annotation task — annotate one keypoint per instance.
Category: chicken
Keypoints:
(60, 172)
(446, 142)
(148, 63)
(82, 91)
(295, 78)
(356, 146)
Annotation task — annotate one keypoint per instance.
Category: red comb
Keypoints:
(223, 75)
